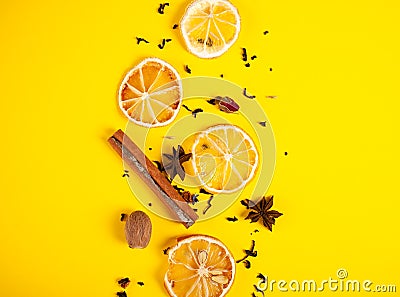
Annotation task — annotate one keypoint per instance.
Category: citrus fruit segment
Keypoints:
(210, 27)
(224, 158)
(150, 95)
(199, 266)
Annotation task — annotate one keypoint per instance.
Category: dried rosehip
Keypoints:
(226, 104)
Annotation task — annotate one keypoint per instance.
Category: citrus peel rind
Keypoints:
(150, 94)
(224, 158)
(199, 265)
(210, 27)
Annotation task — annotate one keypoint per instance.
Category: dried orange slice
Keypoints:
(150, 95)
(224, 158)
(210, 27)
(199, 265)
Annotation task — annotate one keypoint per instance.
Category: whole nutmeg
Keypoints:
(138, 230)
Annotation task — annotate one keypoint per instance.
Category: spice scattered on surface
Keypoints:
(208, 204)
(202, 191)
(138, 230)
(165, 251)
(125, 173)
(249, 253)
(162, 44)
(195, 198)
(272, 97)
(140, 284)
(176, 159)
(161, 7)
(264, 123)
(262, 278)
(234, 219)
(178, 189)
(196, 111)
(247, 64)
(251, 250)
(221, 75)
(212, 101)
(244, 54)
(258, 290)
(270, 69)
(247, 264)
(150, 148)
(286, 153)
(256, 231)
(266, 32)
(159, 165)
(175, 26)
(261, 211)
(124, 282)
(248, 203)
(187, 196)
(225, 104)
(253, 57)
(122, 294)
(140, 39)
(150, 204)
(124, 216)
(248, 95)
(187, 69)
(190, 198)
(186, 107)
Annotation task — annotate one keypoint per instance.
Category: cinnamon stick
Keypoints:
(156, 181)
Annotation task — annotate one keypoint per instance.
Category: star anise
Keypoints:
(261, 210)
(174, 162)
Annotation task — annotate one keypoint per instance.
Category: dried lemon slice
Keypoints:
(199, 265)
(224, 158)
(150, 95)
(210, 27)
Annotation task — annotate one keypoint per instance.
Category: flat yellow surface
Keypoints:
(335, 72)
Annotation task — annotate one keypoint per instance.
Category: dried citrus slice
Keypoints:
(151, 93)
(224, 158)
(210, 27)
(199, 265)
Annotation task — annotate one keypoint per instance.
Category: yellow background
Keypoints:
(335, 72)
